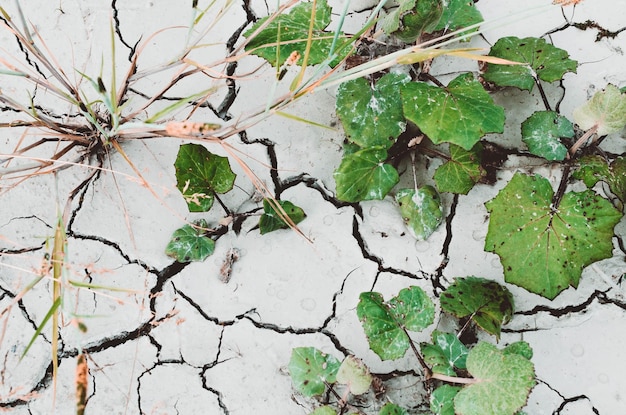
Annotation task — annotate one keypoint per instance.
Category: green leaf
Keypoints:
(593, 169)
(271, 220)
(503, 383)
(543, 61)
(543, 248)
(445, 353)
(392, 409)
(459, 114)
(372, 116)
(520, 348)
(458, 14)
(200, 174)
(363, 175)
(311, 369)
(421, 210)
(324, 410)
(461, 172)
(542, 132)
(442, 399)
(605, 110)
(385, 322)
(486, 302)
(190, 243)
(291, 30)
(412, 18)
(355, 375)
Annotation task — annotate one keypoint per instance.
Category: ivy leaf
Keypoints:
(442, 399)
(461, 172)
(363, 175)
(520, 348)
(324, 410)
(459, 114)
(593, 169)
(445, 353)
(543, 248)
(385, 322)
(486, 302)
(606, 110)
(190, 243)
(291, 30)
(412, 18)
(503, 383)
(271, 220)
(421, 210)
(200, 174)
(542, 132)
(355, 374)
(458, 14)
(543, 61)
(372, 116)
(392, 409)
(311, 369)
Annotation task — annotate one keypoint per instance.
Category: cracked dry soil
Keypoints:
(179, 340)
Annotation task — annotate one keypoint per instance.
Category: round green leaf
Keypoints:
(355, 375)
(595, 168)
(324, 410)
(412, 18)
(392, 409)
(458, 14)
(385, 322)
(503, 383)
(190, 243)
(542, 132)
(606, 110)
(520, 348)
(543, 248)
(542, 60)
(421, 210)
(459, 114)
(488, 303)
(271, 220)
(461, 172)
(363, 175)
(200, 174)
(372, 116)
(442, 399)
(311, 369)
(445, 353)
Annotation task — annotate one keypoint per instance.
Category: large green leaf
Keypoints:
(542, 132)
(392, 409)
(458, 14)
(503, 383)
(543, 61)
(486, 302)
(606, 110)
(271, 220)
(372, 116)
(421, 210)
(385, 322)
(190, 243)
(291, 31)
(200, 174)
(311, 370)
(543, 248)
(459, 114)
(442, 399)
(412, 18)
(363, 175)
(445, 353)
(593, 169)
(461, 172)
(355, 375)
(324, 410)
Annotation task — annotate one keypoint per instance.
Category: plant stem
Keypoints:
(544, 98)
(427, 372)
(454, 379)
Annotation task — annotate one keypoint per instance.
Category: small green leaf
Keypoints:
(363, 175)
(372, 116)
(412, 18)
(291, 30)
(385, 322)
(520, 348)
(445, 353)
(543, 248)
(324, 410)
(503, 383)
(271, 220)
(200, 174)
(442, 399)
(421, 210)
(486, 302)
(459, 114)
(606, 110)
(461, 172)
(593, 169)
(392, 409)
(542, 132)
(355, 375)
(458, 14)
(543, 61)
(190, 243)
(311, 369)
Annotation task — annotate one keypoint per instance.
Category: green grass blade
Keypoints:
(49, 314)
